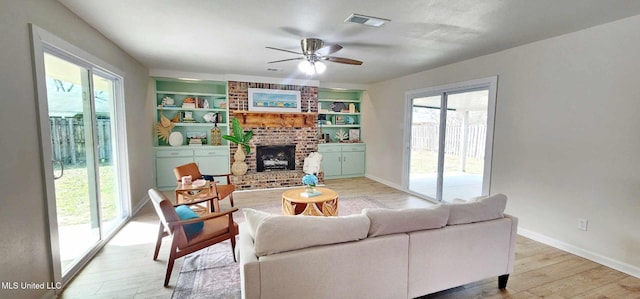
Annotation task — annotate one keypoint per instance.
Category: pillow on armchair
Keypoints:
(186, 213)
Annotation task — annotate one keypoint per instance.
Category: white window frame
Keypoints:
(44, 41)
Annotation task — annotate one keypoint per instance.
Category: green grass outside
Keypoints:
(72, 195)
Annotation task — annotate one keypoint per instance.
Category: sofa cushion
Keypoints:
(285, 233)
(392, 221)
(478, 209)
(253, 219)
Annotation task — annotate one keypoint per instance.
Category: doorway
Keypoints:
(83, 159)
(450, 139)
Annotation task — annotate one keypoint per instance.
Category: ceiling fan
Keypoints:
(313, 53)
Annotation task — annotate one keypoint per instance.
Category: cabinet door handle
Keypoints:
(174, 154)
(344, 159)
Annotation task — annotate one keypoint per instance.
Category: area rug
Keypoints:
(211, 272)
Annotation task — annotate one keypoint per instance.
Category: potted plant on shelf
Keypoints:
(241, 138)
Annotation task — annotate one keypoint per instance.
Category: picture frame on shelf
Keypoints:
(196, 137)
(354, 135)
(274, 100)
(187, 117)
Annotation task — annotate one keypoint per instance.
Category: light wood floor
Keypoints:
(125, 269)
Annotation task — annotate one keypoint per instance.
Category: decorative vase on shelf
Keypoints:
(216, 135)
(241, 138)
(239, 167)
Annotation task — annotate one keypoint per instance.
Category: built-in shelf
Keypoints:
(199, 124)
(192, 109)
(341, 126)
(251, 119)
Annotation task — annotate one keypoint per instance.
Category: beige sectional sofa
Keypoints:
(380, 253)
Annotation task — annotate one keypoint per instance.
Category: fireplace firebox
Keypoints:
(275, 157)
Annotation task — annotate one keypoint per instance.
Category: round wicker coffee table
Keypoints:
(325, 204)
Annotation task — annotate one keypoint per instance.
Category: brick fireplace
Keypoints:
(303, 138)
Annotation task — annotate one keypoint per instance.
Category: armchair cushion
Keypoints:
(212, 228)
(185, 213)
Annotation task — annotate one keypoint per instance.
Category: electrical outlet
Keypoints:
(582, 224)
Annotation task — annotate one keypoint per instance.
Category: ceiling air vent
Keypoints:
(366, 20)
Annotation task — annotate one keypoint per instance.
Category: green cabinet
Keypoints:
(210, 160)
(213, 161)
(331, 164)
(166, 161)
(342, 160)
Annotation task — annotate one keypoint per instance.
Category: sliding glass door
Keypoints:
(84, 164)
(70, 118)
(450, 138)
(80, 102)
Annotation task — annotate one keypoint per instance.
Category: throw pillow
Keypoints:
(185, 213)
(253, 219)
(392, 221)
(285, 233)
(478, 209)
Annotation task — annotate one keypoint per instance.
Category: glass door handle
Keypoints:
(54, 162)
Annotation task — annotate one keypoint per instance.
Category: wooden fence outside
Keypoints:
(425, 137)
(68, 140)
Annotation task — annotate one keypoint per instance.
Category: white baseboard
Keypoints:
(385, 182)
(137, 208)
(600, 259)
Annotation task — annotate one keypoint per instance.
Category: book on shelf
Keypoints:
(189, 105)
(195, 142)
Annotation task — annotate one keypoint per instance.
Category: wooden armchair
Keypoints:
(218, 226)
(223, 191)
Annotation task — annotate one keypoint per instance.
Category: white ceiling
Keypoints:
(230, 36)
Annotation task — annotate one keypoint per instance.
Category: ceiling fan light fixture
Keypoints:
(319, 67)
(306, 67)
(366, 20)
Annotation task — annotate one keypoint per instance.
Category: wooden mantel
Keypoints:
(252, 119)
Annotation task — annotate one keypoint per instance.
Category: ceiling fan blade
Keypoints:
(272, 48)
(328, 50)
(276, 61)
(342, 60)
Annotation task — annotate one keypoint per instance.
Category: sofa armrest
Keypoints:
(249, 265)
(512, 247)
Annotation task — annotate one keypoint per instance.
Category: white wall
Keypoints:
(566, 139)
(24, 248)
